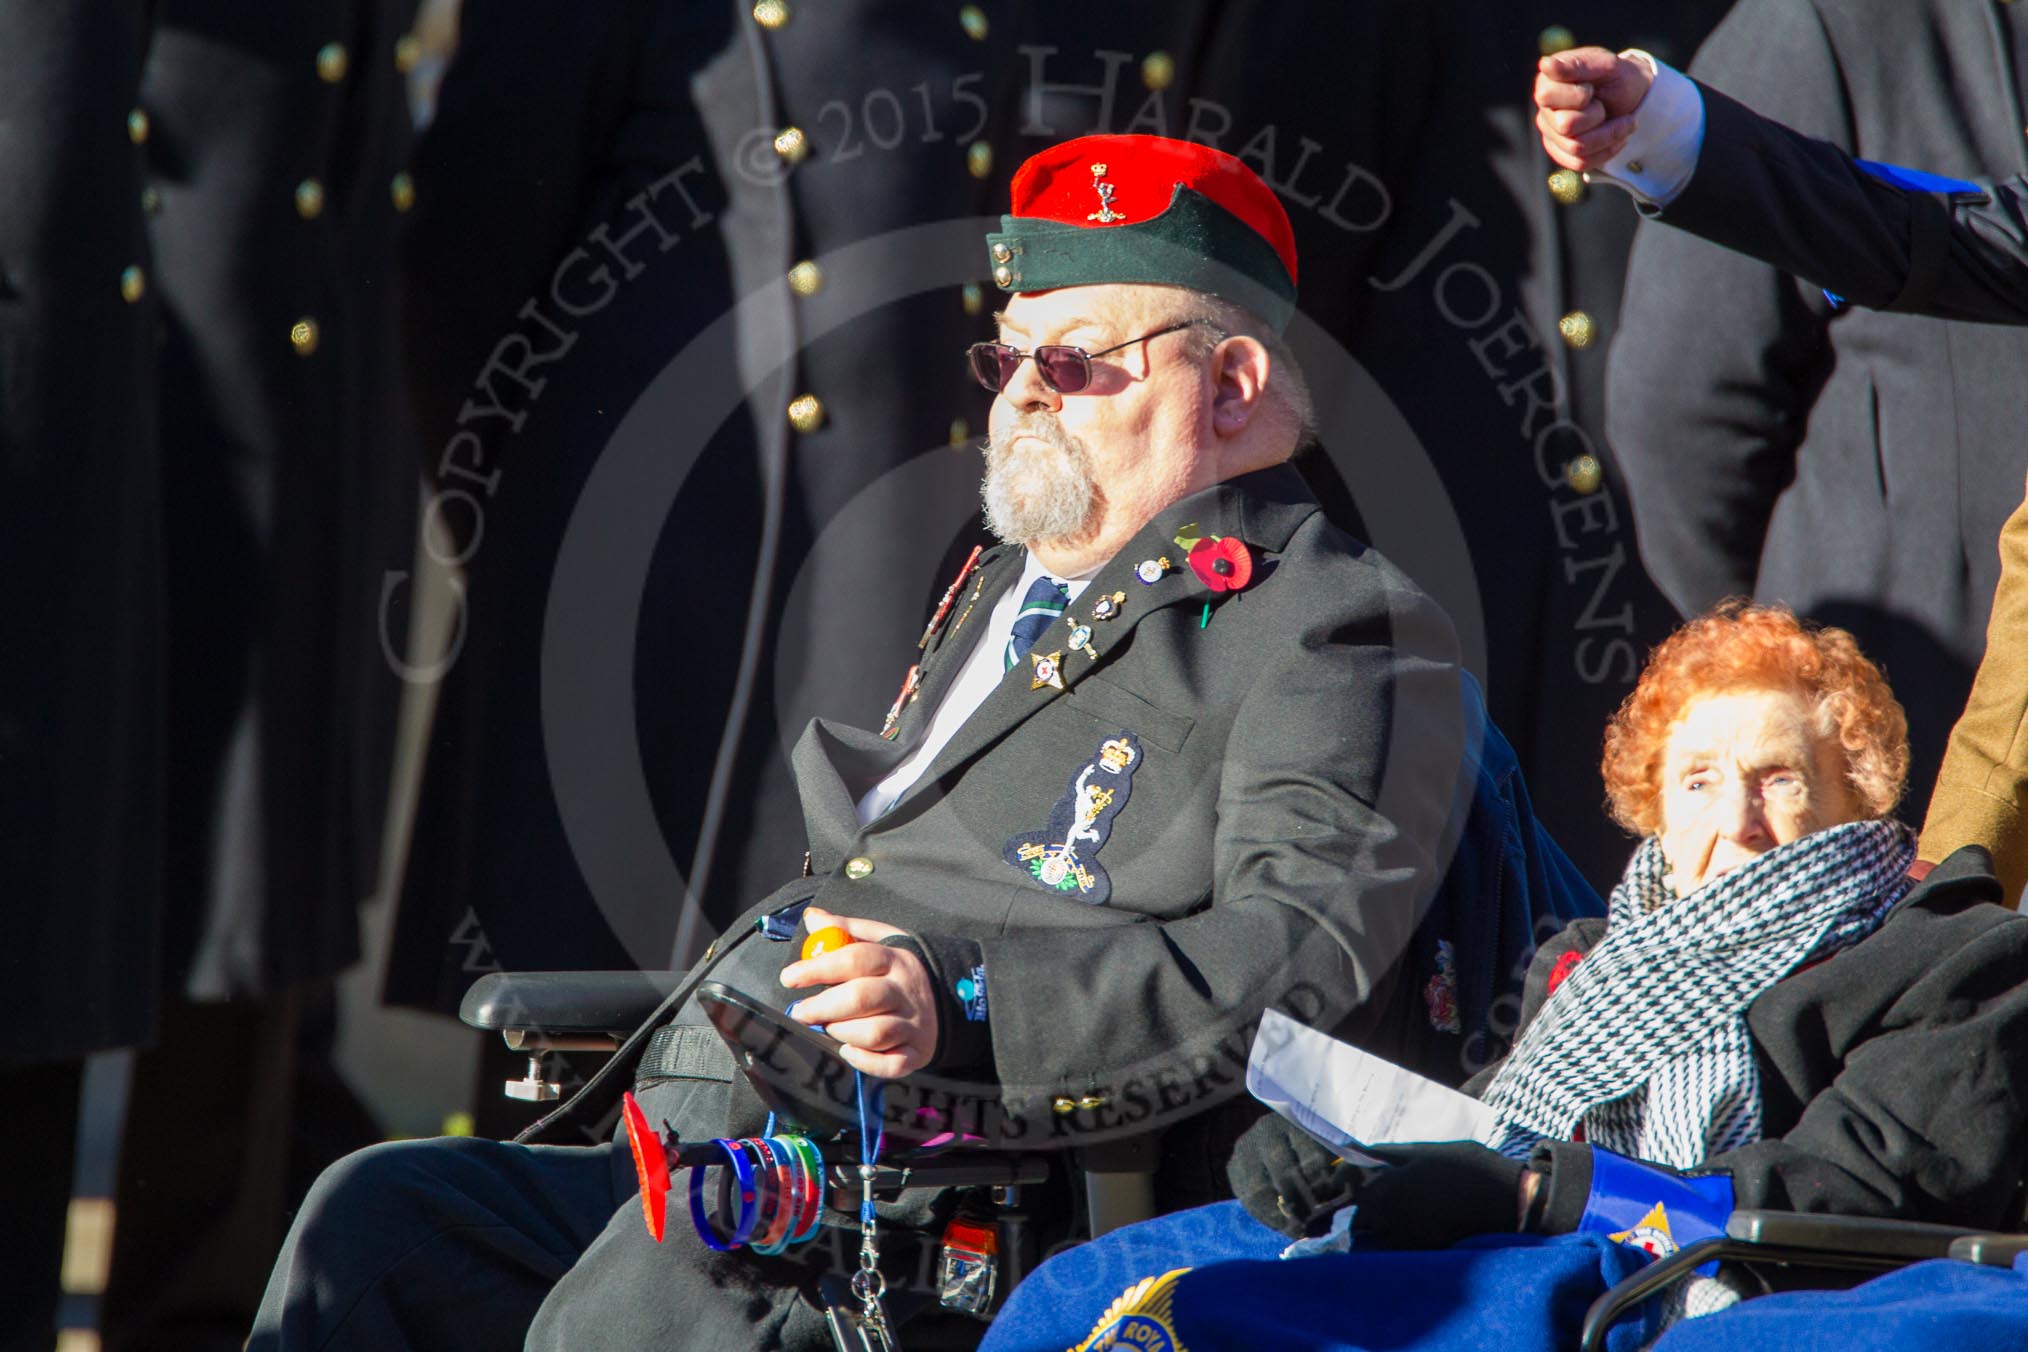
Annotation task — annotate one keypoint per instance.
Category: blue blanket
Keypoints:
(1931, 1307)
(1516, 1293)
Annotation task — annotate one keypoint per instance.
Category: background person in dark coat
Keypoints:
(80, 607)
(272, 138)
(1854, 464)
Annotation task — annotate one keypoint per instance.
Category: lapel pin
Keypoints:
(1108, 606)
(909, 683)
(1048, 671)
(1080, 641)
(1150, 571)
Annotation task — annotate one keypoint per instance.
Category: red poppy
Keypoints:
(651, 1166)
(1224, 564)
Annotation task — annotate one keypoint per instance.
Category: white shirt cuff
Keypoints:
(1659, 158)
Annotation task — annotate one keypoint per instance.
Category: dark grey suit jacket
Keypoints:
(1299, 755)
(1854, 464)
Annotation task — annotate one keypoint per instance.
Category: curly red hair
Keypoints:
(1739, 646)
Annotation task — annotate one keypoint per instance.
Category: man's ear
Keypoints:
(1239, 375)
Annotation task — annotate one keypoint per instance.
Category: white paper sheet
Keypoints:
(1348, 1098)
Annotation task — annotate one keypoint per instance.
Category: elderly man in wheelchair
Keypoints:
(1786, 1025)
(1178, 752)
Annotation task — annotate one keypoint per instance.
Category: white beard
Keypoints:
(1041, 489)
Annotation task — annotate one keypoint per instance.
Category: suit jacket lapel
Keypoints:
(1263, 509)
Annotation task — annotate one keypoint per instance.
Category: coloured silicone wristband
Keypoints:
(780, 1219)
(743, 1173)
(767, 1185)
(813, 1199)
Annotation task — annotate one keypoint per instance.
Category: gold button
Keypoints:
(133, 283)
(1578, 328)
(332, 62)
(1003, 276)
(137, 126)
(771, 14)
(1555, 38)
(858, 867)
(1090, 1101)
(792, 145)
(806, 414)
(1062, 1106)
(303, 336)
(1158, 70)
(1584, 473)
(979, 158)
(151, 200)
(973, 297)
(973, 20)
(407, 51)
(402, 189)
(961, 434)
(1002, 254)
(309, 199)
(1567, 186)
(1633, 166)
(806, 278)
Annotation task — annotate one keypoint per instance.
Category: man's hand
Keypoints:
(881, 1004)
(1585, 100)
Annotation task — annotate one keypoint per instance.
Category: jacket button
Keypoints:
(973, 297)
(858, 868)
(309, 199)
(407, 51)
(1578, 329)
(1158, 70)
(1567, 186)
(303, 335)
(979, 158)
(133, 283)
(1001, 253)
(961, 434)
(1063, 1107)
(1003, 276)
(771, 14)
(973, 20)
(1584, 473)
(806, 278)
(332, 62)
(806, 414)
(792, 145)
(1090, 1101)
(401, 188)
(137, 126)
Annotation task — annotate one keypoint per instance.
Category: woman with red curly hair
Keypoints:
(1774, 1014)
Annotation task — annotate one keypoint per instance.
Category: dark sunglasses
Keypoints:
(1063, 368)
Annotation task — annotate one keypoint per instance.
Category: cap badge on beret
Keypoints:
(1105, 215)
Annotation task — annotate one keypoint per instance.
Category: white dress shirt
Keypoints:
(1658, 159)
(983, 670)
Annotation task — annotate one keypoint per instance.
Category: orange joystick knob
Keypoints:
(826, 940)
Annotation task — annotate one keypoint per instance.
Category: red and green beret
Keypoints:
(1103, 209)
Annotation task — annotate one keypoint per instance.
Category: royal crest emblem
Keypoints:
(1142, 1319)
(1064, 857)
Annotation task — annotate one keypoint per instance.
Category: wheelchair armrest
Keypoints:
(558, 1005)
(1867, 1236)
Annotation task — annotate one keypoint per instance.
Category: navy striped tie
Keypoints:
(1046, 599)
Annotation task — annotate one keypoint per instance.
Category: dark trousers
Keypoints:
(40, 1144)
(464, 1245)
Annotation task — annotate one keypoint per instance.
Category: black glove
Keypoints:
(1286, 1180)
(1435, 1195)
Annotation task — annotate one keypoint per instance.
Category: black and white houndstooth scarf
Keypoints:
(1646, 1042)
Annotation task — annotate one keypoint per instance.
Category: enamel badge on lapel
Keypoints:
(1108, 607)
(1048, 671)
(909, 685)
(1064, 857)
(1080, 641)
(1151, 571)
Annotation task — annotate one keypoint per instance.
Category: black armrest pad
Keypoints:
(566, 1002)
(1845, 1234)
